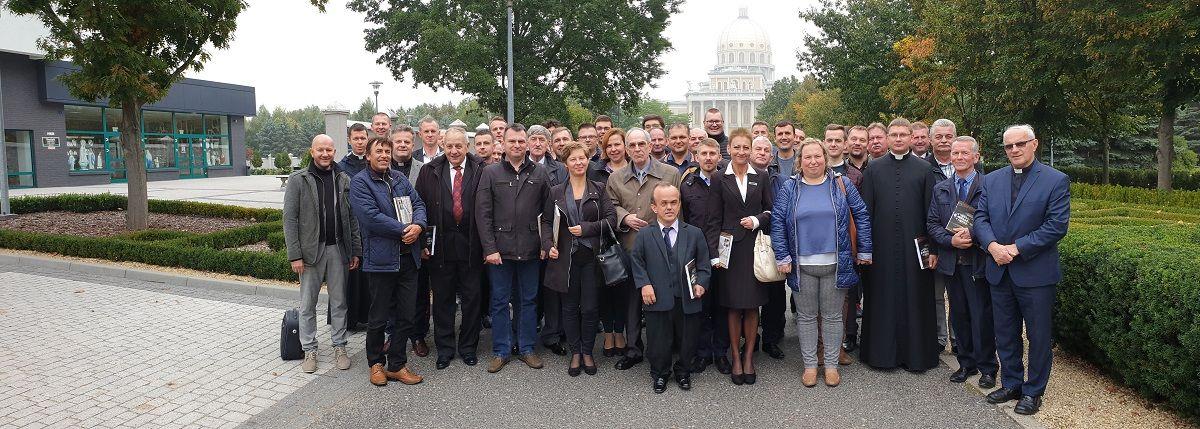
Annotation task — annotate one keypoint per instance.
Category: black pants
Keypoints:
(551, 309)
(421, 321)
(853, 297)
(714, 324)
(358, 300)
(773, 320)
(449, 280)
(633, 320)
(971, 317)
(612, 309)
(663, 328)
(581, 306)
(393, 297)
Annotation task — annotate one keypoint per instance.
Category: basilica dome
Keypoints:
(743, 43)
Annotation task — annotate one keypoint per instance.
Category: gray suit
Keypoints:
(674, 316)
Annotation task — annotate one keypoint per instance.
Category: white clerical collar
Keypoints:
(363, 156)
(901, 156)
(729, 169)
(1018, 170)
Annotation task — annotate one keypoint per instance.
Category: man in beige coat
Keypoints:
(631, 190)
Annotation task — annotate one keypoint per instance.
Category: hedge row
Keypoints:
(80, 203)
(1140, 178)
(270, 171)
(233, 237)
(1130, 302)
(1124, 194)
(263, 265)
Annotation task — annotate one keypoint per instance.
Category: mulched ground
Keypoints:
(105, 224)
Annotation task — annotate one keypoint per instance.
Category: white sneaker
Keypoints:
(310, 362)
(340, 358)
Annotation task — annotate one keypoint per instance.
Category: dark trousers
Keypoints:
(664, 328)
(514, 281)
(773, 321)
(971, 318)
(633, 320)
(358, 300)
(448, 281)
(612, 308)
(393, 297)
(1012, 305)
(421, 321)
(714, 324)
(551, 311)
(853, 297)
(581, 306)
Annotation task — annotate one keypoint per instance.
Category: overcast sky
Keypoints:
(295, 56)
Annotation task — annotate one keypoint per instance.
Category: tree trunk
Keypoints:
(1166, 144)
(137, 213)
(1107, 142)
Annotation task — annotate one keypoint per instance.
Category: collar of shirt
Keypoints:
(901, 156)
(1022, 170)
(674, 226)
(671, 158)
(839, 164)
(707, 180)
(749, 169)
(640, 173)
(969, 179)
(360, 157)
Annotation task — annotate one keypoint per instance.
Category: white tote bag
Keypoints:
(765, 269)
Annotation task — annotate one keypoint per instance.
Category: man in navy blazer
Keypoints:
(661, 251)
(1019, 221)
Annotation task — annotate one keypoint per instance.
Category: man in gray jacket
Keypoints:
(322, 243)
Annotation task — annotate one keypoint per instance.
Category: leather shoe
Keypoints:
(557, 348)
(699, 364)
(443, 363)
(723, 365)
(1002, 395)
(628, 362)
(684, 381)
(773, 351)
(750, 377)
(809, 378)
(532, 360)
(497, 364)
(844, 358)
(832, 377)
(574, 371)
(377, 377)
(851, 343)
(660, 384)
(962, 375)
(987, 381)
(1028, 405)
(737, 379)
(404, 375)
(420, 348)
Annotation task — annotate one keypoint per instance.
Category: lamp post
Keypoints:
(375, 85)
(510, 62)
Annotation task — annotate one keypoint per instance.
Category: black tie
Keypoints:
(667, 236)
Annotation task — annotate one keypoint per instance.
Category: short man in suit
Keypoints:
(671, 303)
(960, 267)
(1020, 219)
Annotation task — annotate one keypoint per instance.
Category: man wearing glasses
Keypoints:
(714, 125)
(590, 139)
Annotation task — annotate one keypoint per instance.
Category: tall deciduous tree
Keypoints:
(130, 53)
(774, 107)
(599, 52)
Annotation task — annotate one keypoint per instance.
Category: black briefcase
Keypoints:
(289, 336)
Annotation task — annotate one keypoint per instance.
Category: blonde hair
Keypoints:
(812, 142)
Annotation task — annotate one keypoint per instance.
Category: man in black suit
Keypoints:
(701, 209)
(671, 297)
(447, 185)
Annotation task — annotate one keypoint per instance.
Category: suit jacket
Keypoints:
(1035, 223)
(433, 185)
(941, 206)
(656, 266)
(633, 198)
(596, 209)
(701, 206)
(758, 202)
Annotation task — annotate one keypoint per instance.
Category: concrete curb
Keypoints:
(1027, 422)
(118, 271)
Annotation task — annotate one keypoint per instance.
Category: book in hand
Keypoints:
(431, 239)
(404, 210)
(725, 248)
(924, 252)
(962, 217)
(554, 227)
(689, 272)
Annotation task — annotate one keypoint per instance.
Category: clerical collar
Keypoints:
(361, 157)
(901, 156)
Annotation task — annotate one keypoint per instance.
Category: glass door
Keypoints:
(18, 150)
(115, 157)
(191, 158)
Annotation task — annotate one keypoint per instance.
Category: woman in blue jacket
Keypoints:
(811, 232)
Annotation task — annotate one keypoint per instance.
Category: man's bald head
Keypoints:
(322, 151)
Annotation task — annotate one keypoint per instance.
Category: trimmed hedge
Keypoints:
(157, 235)
(276, 241)
(80, 203)
(1140, 178)
(270, 171)
(1130, 303)
(1124, 194)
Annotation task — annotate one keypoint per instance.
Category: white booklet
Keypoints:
(725, 248)
(554, 227)
(404, 210)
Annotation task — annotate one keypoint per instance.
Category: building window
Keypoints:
(741, 57)
(218, 151)
(18, 152)
(189, 123)
(159, 151)
(762, 58)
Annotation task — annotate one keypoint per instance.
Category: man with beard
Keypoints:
(857, 141)
(559, 137)
(714, 125)
(898, 317)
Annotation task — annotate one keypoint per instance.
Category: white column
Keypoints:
(335, 127)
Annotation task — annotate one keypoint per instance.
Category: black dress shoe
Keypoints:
(574, 370)
(851, 343)
(962, 375)
(660, 384)
(684, 381)
(443, 363)
(723, 365)
(750, 378)
(557, 348)
(699, 364)
(470, 360)
(628, 362)
(737, 379)
(1028, 405)
(1002, 395)
(609, 351)
(987, 381)
(589, 369)
(773, 351)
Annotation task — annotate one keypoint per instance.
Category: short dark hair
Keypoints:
(586, 125)
(757, 123)
(785, 123)
(551, 124)
(836, 127)
(371, 142)
(603, 118)
(515, 127)
(356, 128)
(653, 117)
(685, 127)
(497, 118)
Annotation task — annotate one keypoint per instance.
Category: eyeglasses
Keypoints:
(1018, 145)
(714, 121)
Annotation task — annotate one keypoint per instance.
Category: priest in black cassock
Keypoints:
(899, 328)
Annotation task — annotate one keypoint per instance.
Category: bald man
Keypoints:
(322, 242)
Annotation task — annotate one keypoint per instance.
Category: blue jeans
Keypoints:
(521, 277)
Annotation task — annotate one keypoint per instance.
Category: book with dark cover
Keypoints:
(689, 272)
(924, 252)
(431, 239)
(962, 217)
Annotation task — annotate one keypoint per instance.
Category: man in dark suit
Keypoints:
(1020, 219)
(671, 297)
(960, 266)
(447, 185)
(701, 209)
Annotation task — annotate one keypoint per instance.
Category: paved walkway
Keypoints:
(83, 350)
(246, 191)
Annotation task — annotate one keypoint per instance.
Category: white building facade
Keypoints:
(738, 84)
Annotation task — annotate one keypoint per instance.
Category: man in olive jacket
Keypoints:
(322, 243)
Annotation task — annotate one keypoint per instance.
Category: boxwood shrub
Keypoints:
(81, 203)
(1125, 194)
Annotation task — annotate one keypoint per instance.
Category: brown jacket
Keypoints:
(632, 198)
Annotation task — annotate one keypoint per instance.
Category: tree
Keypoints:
(628, 118)
(818, 109)
(130, 53)
(282, 160)
(599, 52)
(774, 107)
(365, 111)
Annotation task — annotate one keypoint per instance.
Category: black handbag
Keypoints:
(289, 336)
(614, 263)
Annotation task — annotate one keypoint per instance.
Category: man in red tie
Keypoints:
(447, 185)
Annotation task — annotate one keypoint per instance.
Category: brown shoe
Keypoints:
(844, 358)
(404, 375)
(420, 348)
(497, 364)
(832, 378)
(809, 378)
(532, 360)
(377, 376)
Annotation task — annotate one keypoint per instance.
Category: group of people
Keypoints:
(572, 237)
